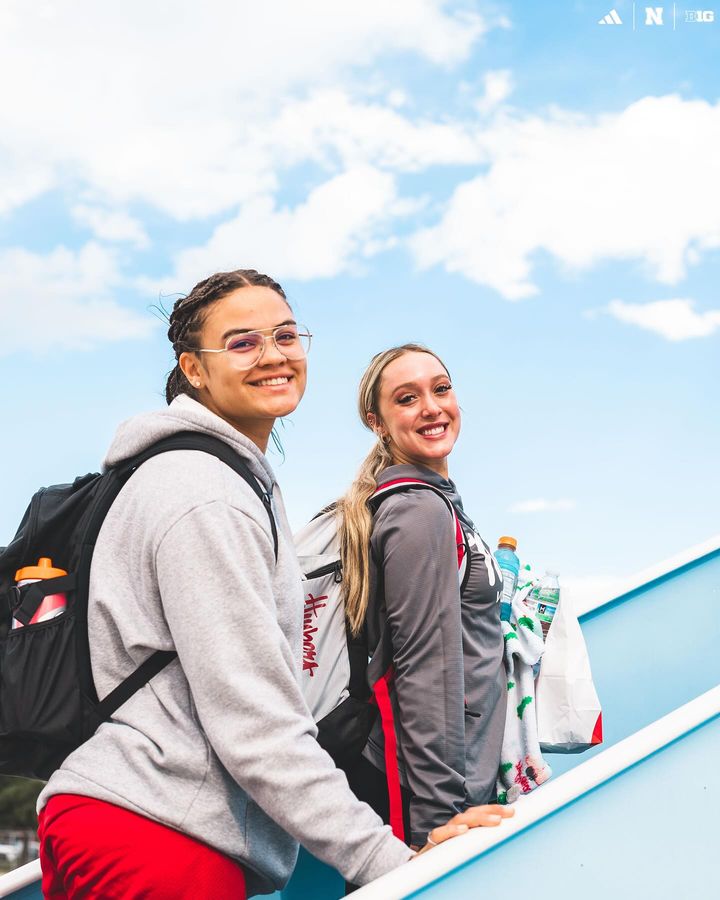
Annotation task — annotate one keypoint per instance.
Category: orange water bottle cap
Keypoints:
(508, 541)
(44, 569)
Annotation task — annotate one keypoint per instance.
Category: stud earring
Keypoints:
(197, 383)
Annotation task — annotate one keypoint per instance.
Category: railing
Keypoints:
(431, 867)
(646, 578)
(22, 882)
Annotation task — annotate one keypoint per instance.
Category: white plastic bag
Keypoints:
(569, 715)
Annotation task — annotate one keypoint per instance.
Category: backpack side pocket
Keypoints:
(41, 706)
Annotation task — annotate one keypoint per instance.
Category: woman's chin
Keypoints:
(282, 406)
(436, 452)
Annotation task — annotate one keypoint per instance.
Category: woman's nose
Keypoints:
(431, 407)
(271, 355)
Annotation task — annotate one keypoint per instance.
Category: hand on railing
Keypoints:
(475, 817)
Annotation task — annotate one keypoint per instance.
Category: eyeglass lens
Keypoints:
(287, 339)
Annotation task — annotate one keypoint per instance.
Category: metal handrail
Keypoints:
(21, 877)
(648, 576)
(420, 872)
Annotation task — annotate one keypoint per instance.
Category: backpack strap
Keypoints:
(184, 440)
(148, 669)
(404, 484)
(194, 440)
(358, 653)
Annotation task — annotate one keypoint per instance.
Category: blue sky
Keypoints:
(533, 195)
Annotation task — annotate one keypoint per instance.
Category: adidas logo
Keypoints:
(612, 18)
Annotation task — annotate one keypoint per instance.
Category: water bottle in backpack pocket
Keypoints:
(51, 605)
(42, 712)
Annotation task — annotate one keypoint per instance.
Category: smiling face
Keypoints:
(249, 399)
(417, 411)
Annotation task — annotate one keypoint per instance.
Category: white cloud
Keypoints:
(21, 180)
(498, 86)
(640, 185)
(675, 320)
(111, 225)
(316, 239)
(397, 98)
(332, 127)
(202, 111)
(63, 300)
(542, 505)
(170, 104)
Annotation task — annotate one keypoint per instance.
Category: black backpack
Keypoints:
(48, 702)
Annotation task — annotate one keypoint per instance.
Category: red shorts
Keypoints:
(89, 849)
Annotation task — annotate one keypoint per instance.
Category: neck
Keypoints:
(256, 430)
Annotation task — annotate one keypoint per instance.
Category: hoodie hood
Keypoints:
(185, 414)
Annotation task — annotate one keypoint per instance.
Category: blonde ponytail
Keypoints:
(355, 527)
(355, 530)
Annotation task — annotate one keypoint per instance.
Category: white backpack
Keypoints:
(341, 684)
(326, 664)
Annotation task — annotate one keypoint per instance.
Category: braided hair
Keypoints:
(188, 315)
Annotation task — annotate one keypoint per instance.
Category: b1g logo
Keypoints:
(699, 15)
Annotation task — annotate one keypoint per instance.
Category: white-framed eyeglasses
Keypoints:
(247, 347)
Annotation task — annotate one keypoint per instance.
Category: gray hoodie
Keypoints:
(220, 744)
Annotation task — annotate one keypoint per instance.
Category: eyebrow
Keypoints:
(231, 331)
(413, 384)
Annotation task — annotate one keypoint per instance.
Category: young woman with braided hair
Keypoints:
(202, 784)
(443, 639)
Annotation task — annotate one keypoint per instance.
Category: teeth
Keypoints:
(266, 381)
(438, 429)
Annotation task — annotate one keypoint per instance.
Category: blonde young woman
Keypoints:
(401, 582)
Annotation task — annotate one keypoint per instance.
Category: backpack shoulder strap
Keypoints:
(399, 485)
(185, 440)
(148, 669)
(194, 440)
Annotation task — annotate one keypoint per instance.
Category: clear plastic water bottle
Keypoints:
(509, 564)
(525, 577)
(548, 599)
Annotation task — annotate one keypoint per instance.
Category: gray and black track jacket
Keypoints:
(449, 692)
